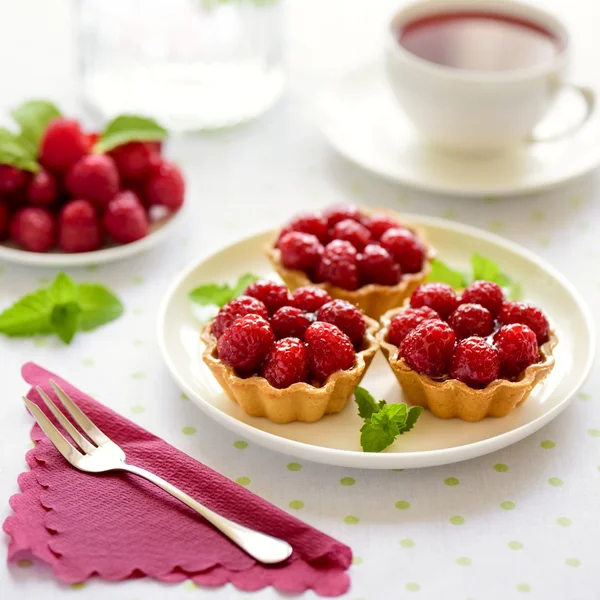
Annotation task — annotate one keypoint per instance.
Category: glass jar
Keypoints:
(191, 64)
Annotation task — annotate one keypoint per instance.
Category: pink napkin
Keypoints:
(119, 526)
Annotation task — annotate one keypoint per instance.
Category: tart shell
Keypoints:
(373, 299)
(299, 402)
(452, 398)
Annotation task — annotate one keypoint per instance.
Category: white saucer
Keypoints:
(363, 121)
(335, 438)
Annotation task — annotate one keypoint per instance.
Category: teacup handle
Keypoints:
(589, 98)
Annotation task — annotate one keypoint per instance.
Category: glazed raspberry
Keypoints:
(135, 159)
(406, 249)
(272, 295)
(310, 298)
(310, 223)
(329, 350)
(339, 265)
(4, 218)
(63, 144)
(375, 265)
(528, 314)
(486, 293)
(33, 228)
(471, 319)
(341, 212)
(475, 362)
(300, 251)
(125, 219)
(42, 190)
(353, 232)
(286, 363)
(439, 296)
(346, 317)
(238, 307)
(245, 344)
(79, 228)
(428, 348)
(165, 186)
(379, 223)
(12, 180)
(290, 321)
(403, 323)
(94, 177)
(517, 346)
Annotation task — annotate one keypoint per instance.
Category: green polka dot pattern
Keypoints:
(402, 504)
(457, 520)
(296, 504)
(347, 481)
(351, 520)
(507, 505)
(451, 481)
(501, 468)
(294, 466)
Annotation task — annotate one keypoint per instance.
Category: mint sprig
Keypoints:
(213, 294)
(482, 268)
(33, 117)
(383, 422)
(63, 308)
(17, 151)
(129, 128)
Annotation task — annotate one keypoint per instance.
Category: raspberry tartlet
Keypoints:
(289, 357)
(372, 260)
(468, 356)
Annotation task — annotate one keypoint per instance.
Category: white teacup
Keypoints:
(478, 110)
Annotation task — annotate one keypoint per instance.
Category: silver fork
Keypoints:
(102, 454)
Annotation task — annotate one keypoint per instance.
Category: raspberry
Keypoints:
(309, 223)
(290, 321)
(475, 362)
(403, 323)
(471, 319)
(375, 265)
(135, 159)
(379, 223)
(94, 177)
(286, 363)
(272, 295)
(93, 137)
(486, 293)
(33, 228)
(353, 232)
(63, 144)
(165, 186)
(339, 265)
(245, 344)
(125, 219)
(517, 347)
(4, 218)
(406, 249)
(428, 348)
(439, 296)
(329, 350)
(310, 298)
(79, 229)
(42, 189)
(528, 314)
(11, 180)
(238, 307)
(340, 212)
(300, 251)
(346, 317)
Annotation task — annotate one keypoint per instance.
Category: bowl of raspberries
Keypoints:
(79, 204)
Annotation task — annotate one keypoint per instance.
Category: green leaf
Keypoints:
(414, 412)
(219, 295)
(366, 403)
(28, 316)
(63, 289)
(441, 272)
(98, 306)
(129, 128)
(485, 269)
(65, 320)
(375, 437)
(33, 118)
(242, 283)
(16, 152)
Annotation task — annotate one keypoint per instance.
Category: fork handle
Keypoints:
(262, 547)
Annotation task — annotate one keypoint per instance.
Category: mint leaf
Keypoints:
(242, 283)
(366, 403)
(219, 295)
(33, 118)
(441, 272)
(98, 306)
(16, 152)
(375, 437)
(484, 268)
(414, 412)
(63, 289)
(64, 320)
(129, 128)
(28, 316)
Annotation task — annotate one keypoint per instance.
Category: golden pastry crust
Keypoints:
(300, 401)
(373, 299)
(452, 398)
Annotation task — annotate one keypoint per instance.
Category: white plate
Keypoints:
(335, 438)
(159, 231)
(363, 121)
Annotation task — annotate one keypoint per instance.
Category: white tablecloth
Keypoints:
(530, 524)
